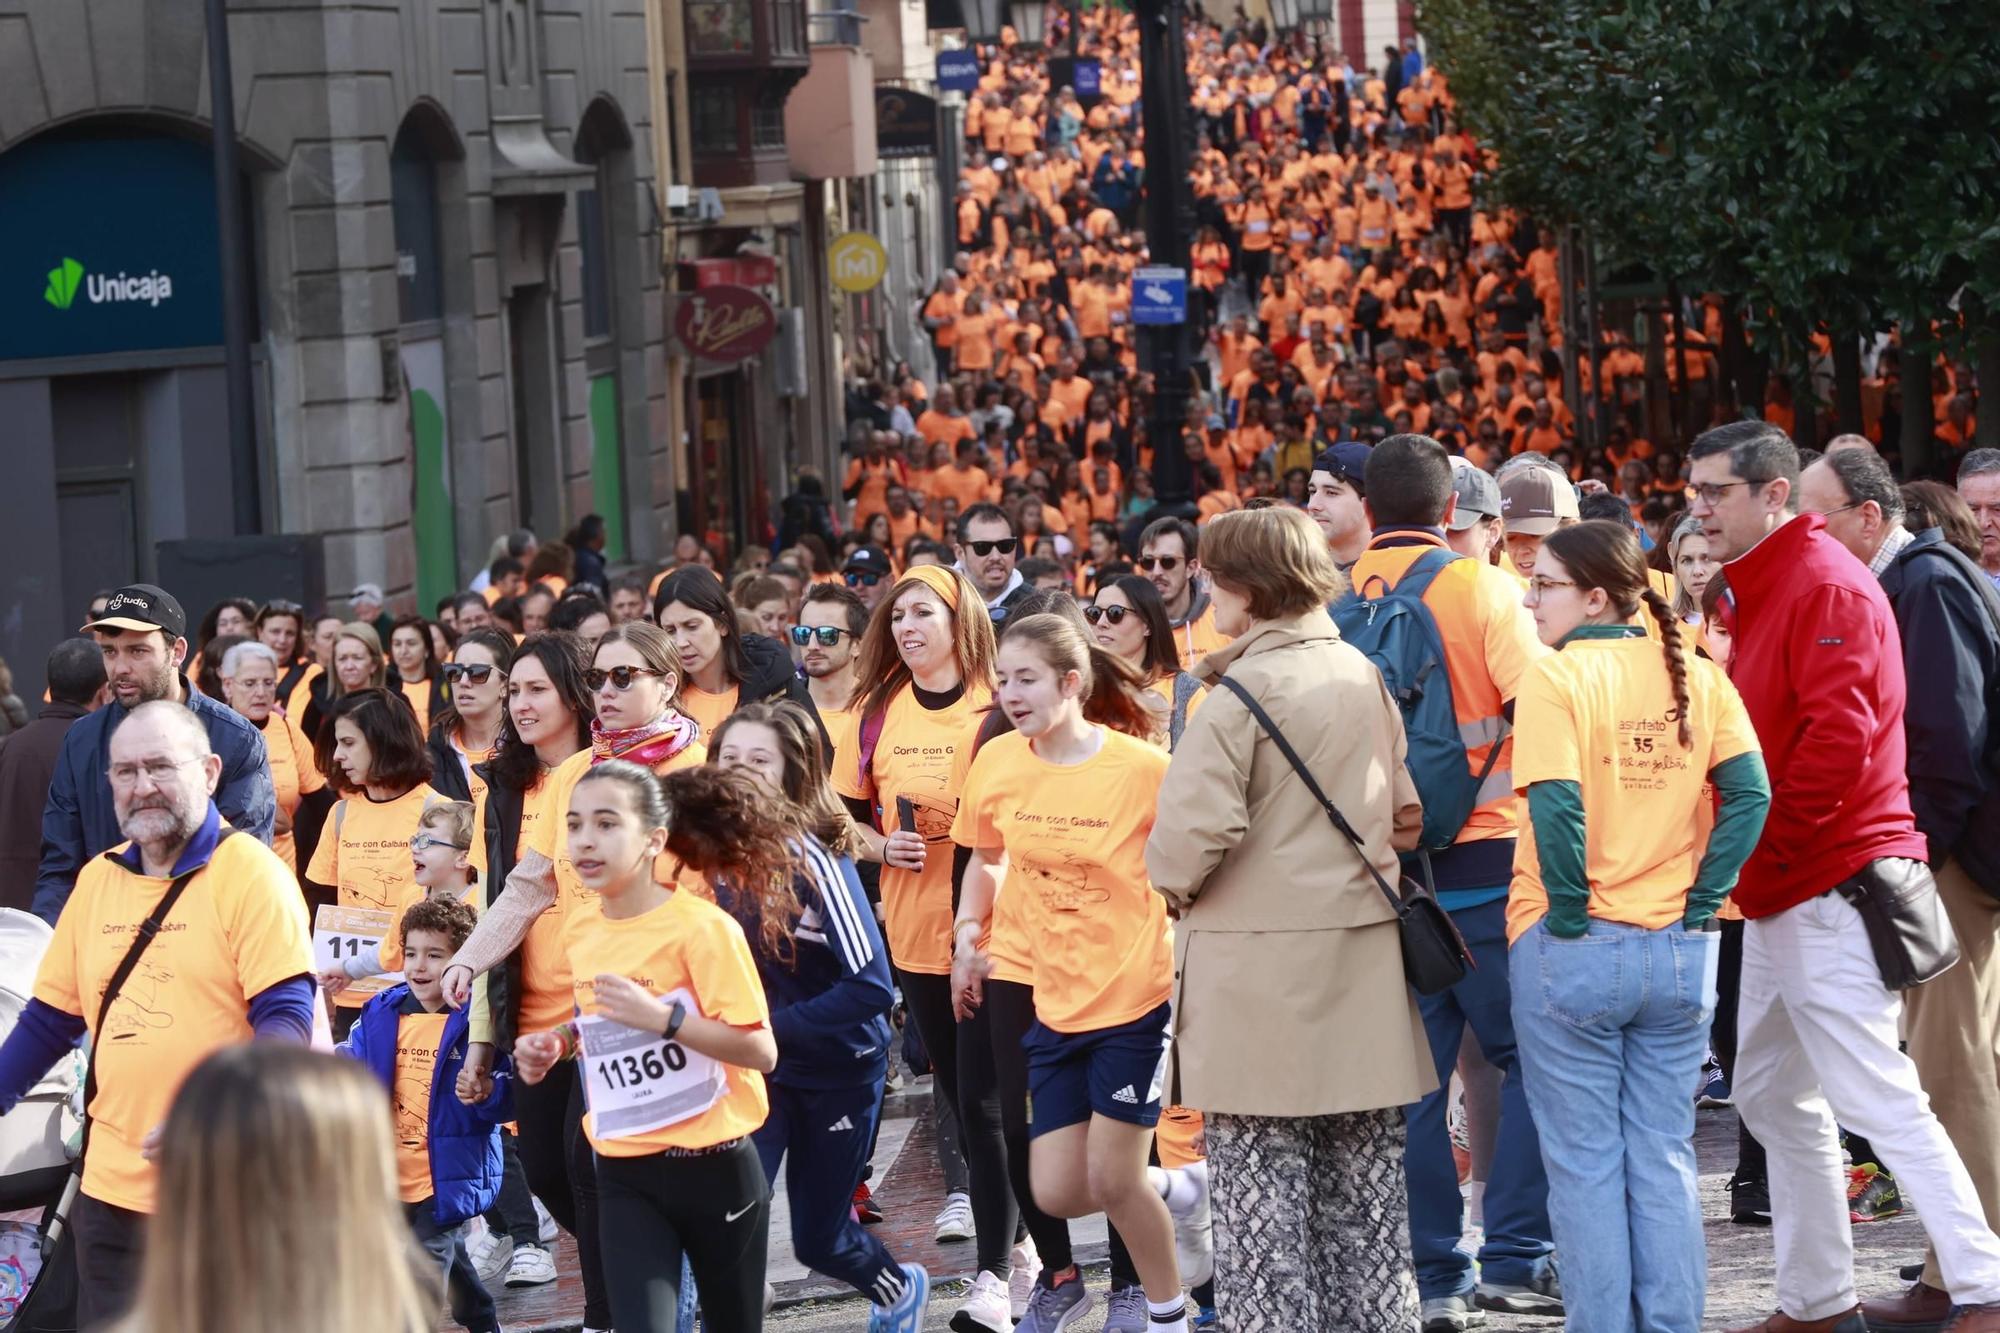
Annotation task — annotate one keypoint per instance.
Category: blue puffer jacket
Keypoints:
(464, 1140)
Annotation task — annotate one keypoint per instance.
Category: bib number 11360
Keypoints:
(637, 1081)
(632, 1071)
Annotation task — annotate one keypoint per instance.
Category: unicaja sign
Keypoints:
(101, 289)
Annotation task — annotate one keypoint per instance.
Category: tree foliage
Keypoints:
(1833, 163)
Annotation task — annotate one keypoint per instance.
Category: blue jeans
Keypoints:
(1518, 1240)
(1613, 1026)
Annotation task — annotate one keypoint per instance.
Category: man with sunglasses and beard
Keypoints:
(1169, 555)
(825, 642)
(987, 550)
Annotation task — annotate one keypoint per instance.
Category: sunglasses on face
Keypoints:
(423, 842)
(1115, 614)
(1149, 563)
(621, 677)
(855, 580)
(828, 635)
(1005, 546)
(476, 673)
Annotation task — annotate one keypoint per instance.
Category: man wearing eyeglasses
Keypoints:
(826, 642)
(1169, 556)
(987, 551)
(232, 962)
(1819, 663)
(143, 633)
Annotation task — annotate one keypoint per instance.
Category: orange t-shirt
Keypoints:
(1075, 840)
(913, 757)
(685, 944)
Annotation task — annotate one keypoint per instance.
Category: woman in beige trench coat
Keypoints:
(1296, 1034)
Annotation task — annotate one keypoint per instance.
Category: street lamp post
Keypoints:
(982, 21)
(1169, 216)
(1030, 18)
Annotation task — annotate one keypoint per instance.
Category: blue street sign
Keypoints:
(958, 71)
(1088, 79)
(1159, 296)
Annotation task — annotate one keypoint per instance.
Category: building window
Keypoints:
(593, 243)
(719, 27)
(767, 120)
(788, 27)
(414, 211)
(712, 119)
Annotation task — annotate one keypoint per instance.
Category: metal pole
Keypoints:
(1169, 203)
(247, 508)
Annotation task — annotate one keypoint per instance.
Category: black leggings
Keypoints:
(715, 1210)
(995, 1218)
(557, 1160)
(1722, 1035)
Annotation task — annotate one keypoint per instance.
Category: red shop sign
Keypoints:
(724, 324)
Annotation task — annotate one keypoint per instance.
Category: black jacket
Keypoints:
(772, 676)
(27, 763)
(590, 569)
(447, 772)
(503, 835)
(1949, 616)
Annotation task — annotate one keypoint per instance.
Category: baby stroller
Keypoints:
(38, 1142)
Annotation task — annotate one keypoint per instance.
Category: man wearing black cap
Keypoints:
(143, 633)
(1334, 500)
(868, 575)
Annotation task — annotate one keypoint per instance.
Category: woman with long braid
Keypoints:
(1621, 745)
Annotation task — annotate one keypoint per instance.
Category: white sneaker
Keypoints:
(986, 1308)
(1194, 1245)
(1021, 1285)
(954, 1222)
(545, 1225)
(533, 1266)
(1182, 1203)
(489, 1251)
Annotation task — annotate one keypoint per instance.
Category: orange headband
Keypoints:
(939, 580)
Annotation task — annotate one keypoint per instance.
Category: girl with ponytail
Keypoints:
(1618, 739)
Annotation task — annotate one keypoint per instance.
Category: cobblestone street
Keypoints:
(910, 1192)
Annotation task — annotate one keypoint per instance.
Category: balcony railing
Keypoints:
(837, 26)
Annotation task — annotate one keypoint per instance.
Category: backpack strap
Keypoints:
(123, 972)
(1422, 571)
(870, 737)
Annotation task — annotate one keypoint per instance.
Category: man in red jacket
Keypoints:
(1820, 668)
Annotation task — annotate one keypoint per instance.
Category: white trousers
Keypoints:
(1816, 1040)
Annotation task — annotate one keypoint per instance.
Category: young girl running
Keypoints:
(672, 1040)
(826, 977)
(1061, 811)
(1610, 919)
(926, 671)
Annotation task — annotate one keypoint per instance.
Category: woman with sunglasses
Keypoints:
(926, 672)
(463, 736)
(1129, 621)
(545, 722)
(721, 668)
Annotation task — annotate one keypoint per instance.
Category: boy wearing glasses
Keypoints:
(440, 867)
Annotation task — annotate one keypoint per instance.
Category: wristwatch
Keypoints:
(675, 1017)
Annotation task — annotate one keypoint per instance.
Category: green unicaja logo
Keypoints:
(63, 282)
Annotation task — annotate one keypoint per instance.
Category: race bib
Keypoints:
(636, 1081)
(342, 933)
(1258, 228)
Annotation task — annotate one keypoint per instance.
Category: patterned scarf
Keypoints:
(651, 745)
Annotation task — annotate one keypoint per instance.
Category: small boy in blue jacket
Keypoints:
(448, 1163)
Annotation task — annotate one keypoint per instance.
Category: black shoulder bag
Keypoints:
(1434, 954)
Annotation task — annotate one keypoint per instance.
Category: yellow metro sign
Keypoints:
(858, 262)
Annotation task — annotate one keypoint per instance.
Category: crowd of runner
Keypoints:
(618, 889)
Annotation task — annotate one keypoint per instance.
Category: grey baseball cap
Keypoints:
(1478, 494)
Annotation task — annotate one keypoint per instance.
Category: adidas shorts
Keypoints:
(1113, 1072)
